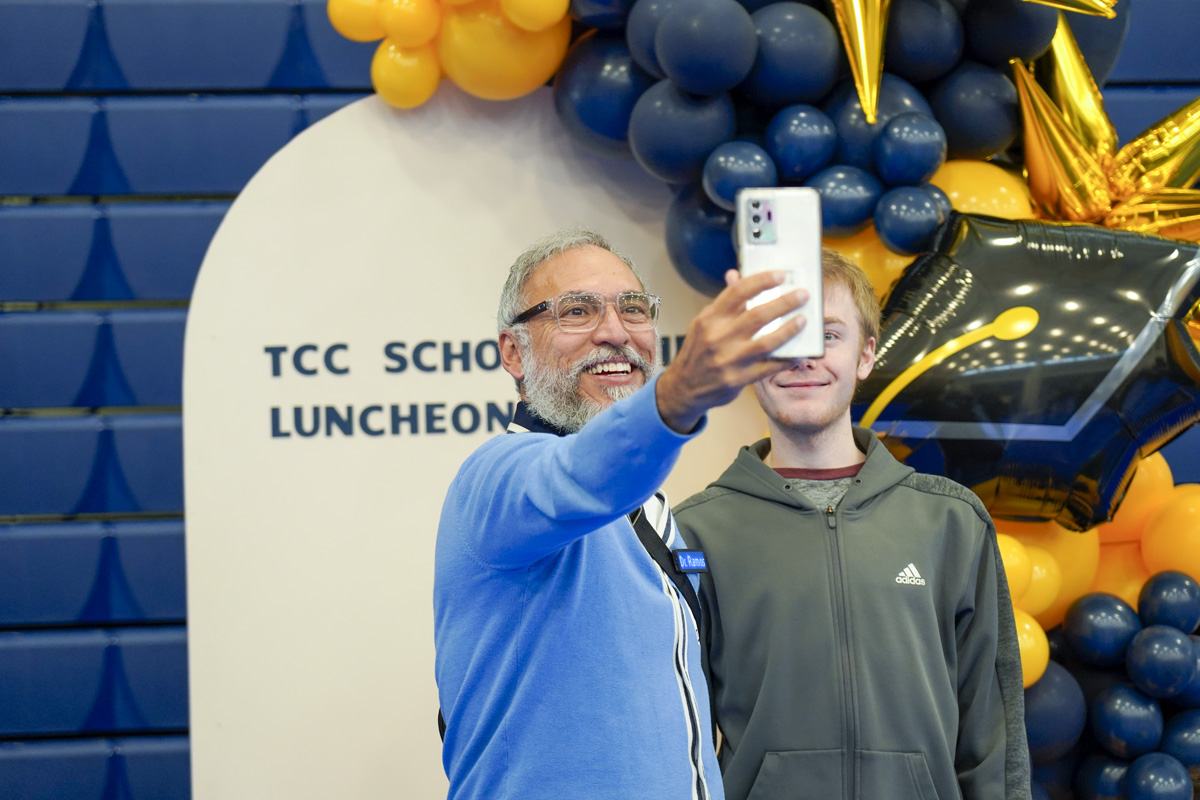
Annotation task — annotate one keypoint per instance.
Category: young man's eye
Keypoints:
(830, 336)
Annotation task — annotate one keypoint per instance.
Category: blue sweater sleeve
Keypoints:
(522, 497)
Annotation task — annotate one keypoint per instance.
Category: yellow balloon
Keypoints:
(1150, 487)
(1171, 539)
(405, 77)
(1034, 647)
(489, 57)
(865, 249)
(977, 187)
(1121, 571)
(356, 19)
(534, 15)
(1018, 567)
(1045, 582)
(1077, 554)
(411, 23)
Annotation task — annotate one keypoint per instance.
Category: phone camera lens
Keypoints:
(756, 233)
(755, 204)
(756, 219)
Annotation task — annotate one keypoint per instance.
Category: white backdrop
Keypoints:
(374, 232)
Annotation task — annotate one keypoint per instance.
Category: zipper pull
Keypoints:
(832, 520)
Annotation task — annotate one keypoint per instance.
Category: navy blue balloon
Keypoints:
(1055, 714)
(1036, 792)
(1189, 697)
(1126, 722)
(924, 39)
(1099, 777)
(1181, 739)
(1170, 598)
(706, 46)
(733, 166)
(1100, 40)
(1160, 661)
(1098, 628)
(799, 54)
(698, 240)
(909, 150)
(602, 14)
(1055, 778)
(848, 198)
(906, 218)
(671, 132)
(640, 28)
(801, 139)
(943, 203)
(978, 108)
(1156, 776)
(856, 138)
(998, 30)
(595, 90)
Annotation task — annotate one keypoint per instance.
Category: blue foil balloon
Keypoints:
(699, 241)
(1156, 776)
(798, 56)
(1181, 739)
(1160, 661)
(998, 30)
(800, 139)
(671, 132)
(924, 39)
(848, 198)
(1099, 627)
(602, 14)
(706, 46)
(856, 138)
(1170, 598)
(1126, 722)
(1055, 714)
(640, 28)
(909, 150)
(596, 89)
(733, 166)
(906, 219)
(978, 108)
(1099, 777)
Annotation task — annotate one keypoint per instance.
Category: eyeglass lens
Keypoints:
(584, 311)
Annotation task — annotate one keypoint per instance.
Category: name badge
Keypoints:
(690, 560)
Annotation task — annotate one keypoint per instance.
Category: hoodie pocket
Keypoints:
(799, 774)
(894, 775)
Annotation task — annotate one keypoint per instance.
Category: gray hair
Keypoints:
(513, 300)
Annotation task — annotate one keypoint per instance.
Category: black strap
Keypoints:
(658, 550)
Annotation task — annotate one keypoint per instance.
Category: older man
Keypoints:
(568, 663)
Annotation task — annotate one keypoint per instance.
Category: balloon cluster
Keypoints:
(493, 49)
(712, 96)
(1116, 713)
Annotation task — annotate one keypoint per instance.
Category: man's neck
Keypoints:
(829, 448)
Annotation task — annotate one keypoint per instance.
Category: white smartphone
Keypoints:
(779, 228)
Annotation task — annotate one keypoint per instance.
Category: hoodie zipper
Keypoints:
(848, 732)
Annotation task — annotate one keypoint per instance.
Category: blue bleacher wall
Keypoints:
(127, 127)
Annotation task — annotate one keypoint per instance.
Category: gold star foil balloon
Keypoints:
(1167, 154)
(1098, 8)
(1174, 213)
(863, 25)
(1068, 82)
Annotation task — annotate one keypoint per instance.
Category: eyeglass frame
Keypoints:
(549, 304)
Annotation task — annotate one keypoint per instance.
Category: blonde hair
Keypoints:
(837, 270)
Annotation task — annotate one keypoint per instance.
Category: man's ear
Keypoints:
(510, 355)
(866, 361)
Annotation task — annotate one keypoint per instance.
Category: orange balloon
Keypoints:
(1034, 647)
(1150, 487)
(865, 249)
(356, 19)
(1018, 567)
(405, 77)
(1045, 582)
(411, 23)
(1077, 554)
(1171, 539)
(977, 187)
(490, 57)
(1121, 571)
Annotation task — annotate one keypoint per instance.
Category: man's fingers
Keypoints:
(752, 320)
(733, 298)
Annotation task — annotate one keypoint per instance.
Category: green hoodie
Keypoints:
(862, 652)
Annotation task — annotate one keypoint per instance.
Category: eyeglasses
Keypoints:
(582, 311)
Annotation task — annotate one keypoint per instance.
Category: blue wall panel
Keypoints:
(1160, 46)
(144, 768)
(1134, 109)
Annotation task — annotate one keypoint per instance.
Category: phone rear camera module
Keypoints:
(756, 233)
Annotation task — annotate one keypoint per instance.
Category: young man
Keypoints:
(568, 660)
(859, 632)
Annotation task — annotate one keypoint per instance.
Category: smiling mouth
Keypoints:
(610, 368)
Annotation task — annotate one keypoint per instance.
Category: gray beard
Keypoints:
(552, 394)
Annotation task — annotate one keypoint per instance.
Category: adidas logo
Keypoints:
(910, 575)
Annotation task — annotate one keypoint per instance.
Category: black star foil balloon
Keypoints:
(1035, 362)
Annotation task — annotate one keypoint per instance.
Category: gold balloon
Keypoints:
(865, 249)
(1065, 76)
(979, 187)
(1098, 8)
(1166, 155)
(356, 19)
(863, 25)
(411, 23)
(1174, 213)
(405, 77)
(1064, 179)
(534, 15)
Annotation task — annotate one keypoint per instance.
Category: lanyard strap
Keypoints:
(658, 550)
